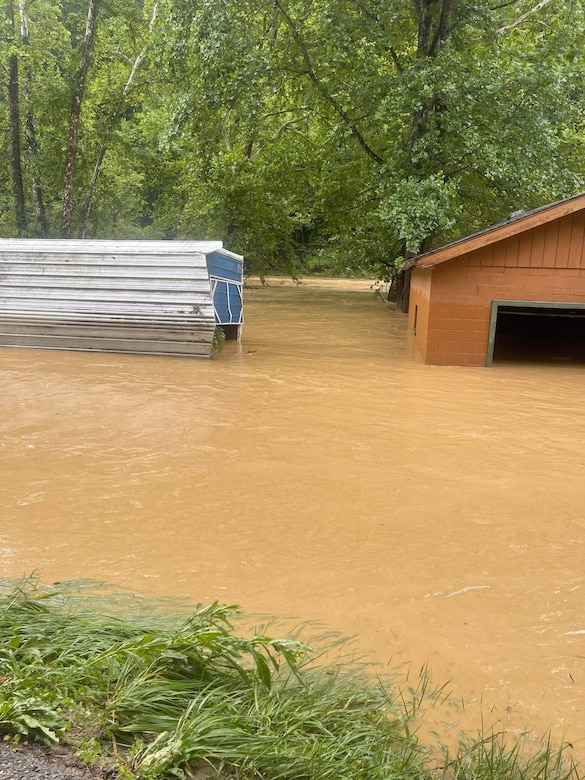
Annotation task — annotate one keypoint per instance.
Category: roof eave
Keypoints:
(498, 232)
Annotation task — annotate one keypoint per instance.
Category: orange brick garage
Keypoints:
(514, 290)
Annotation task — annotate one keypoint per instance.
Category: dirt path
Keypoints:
(36, 763)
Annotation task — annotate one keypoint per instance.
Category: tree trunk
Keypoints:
(92, 188)
(14, 131)
(435, 25)
(73, 133)
(29, 134)
(114, 120)
(403, 292)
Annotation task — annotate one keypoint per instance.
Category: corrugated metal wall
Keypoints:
(149, 297)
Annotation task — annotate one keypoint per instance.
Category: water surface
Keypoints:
(319, 470)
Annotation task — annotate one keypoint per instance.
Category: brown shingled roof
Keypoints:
(518, 222)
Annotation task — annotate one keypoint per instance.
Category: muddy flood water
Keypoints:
(320, 472)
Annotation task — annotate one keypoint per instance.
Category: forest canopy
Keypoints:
(328, 136)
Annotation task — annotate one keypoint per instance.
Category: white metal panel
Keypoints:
(125, 296)
(91, 247)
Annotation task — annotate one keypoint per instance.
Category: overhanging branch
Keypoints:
(348, 121)
(525, 16)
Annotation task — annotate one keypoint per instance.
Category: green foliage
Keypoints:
(159, 696)
(309, 136)
(27, 716)
(492, 758)
(218, 340)
(418, 208)
(276, 111)
(193, 691)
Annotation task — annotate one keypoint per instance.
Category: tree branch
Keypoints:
(138, 61)
(525, 16)
(348, 121)
(282, 129)
(376, 18)
(290, 122)
(503, 5)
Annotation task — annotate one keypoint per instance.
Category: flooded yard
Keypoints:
(319, 471)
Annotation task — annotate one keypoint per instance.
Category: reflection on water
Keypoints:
(321, 471)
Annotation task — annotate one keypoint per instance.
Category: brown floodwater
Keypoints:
(320, 472)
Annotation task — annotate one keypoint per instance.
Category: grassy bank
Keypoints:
(158, 697)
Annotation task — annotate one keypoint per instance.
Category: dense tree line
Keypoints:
(324, 135)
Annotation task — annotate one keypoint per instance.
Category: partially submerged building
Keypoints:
(146, 297)
(513, 288)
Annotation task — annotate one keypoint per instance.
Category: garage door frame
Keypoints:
(497, 304)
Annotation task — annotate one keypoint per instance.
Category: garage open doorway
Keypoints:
(535, 331)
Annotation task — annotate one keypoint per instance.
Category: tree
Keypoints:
(401, 122)
(73, 95)
(30, 133)
(14, 127)
(114, 119)
(74, 117)
(336, 136)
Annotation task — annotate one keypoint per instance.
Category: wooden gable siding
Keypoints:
(551, 215)
(558, 244)
(140, 297)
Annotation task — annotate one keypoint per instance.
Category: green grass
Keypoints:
(159, 696)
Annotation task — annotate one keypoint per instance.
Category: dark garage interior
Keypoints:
(541, 334)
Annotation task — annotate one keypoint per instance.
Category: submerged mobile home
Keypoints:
(145, 297)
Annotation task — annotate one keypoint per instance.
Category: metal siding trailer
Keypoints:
(145, 297)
